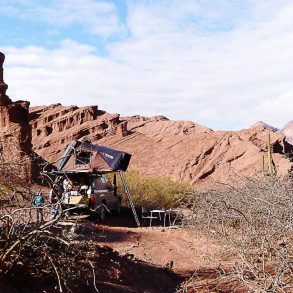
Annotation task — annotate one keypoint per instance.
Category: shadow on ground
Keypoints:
(113, 273)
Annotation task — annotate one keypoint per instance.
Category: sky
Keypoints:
(224, 64)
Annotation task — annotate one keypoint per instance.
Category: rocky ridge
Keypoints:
(265, 125)
(287, 130)
(183, 150)
(54, 126)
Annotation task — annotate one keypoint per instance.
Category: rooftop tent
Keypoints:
(83, 156)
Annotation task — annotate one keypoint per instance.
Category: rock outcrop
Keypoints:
(15, 132)
(197, 154)
(287, 130)
(181, 149)
(265, 125)
(54, 126)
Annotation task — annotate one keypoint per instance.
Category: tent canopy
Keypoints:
(83, 156)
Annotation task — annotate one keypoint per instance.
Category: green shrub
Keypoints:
(153, 192)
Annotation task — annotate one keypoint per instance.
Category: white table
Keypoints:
(165, 212)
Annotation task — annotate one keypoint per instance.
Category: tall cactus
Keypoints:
(271, 169)
(263, 165)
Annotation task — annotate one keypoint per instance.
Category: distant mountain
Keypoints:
(183, 150)
(265, 125)
(287, 131)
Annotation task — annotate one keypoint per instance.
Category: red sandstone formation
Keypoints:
(196, 154)
(15, 132)
(54, 126)
(181, 149)
(4, 99)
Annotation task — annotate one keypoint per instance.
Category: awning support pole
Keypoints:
(123, 178)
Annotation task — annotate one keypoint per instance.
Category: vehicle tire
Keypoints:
(117, 211)
(102, 213)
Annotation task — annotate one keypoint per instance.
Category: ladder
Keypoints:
(123, 178)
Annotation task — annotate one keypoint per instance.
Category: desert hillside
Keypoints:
(287, 130)
(183, 150)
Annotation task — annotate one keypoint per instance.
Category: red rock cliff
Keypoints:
(15, 132)
(54, 126)
(181, 149)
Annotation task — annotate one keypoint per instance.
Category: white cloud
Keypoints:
(171, 65)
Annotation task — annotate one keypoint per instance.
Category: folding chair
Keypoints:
(145, 214)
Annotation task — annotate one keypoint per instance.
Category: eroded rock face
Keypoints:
(288, 131)
(181, 149)
(199, 155)
(54, 126)
(15, 132)
(4, 99)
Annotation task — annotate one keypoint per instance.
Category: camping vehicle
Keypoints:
(90, 193)
(82, 177)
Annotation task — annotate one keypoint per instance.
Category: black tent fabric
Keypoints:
(115, 160)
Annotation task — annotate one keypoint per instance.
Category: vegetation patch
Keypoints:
(155, 191)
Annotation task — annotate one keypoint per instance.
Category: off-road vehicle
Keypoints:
(81, 179)
(90, 193)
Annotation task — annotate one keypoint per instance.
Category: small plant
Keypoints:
(169, 265)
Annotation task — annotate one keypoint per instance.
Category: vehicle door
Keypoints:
(111, 198)
(99, 191)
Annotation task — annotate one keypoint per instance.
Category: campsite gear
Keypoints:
(145, 214)
(96, 197)
(123, 178)
(83, 156)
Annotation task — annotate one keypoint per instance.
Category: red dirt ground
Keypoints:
(131, 259)
(157, 245)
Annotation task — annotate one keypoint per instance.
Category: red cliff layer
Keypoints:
(15, 132)
(181, 149)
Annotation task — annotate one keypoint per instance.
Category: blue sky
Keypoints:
(221, 63)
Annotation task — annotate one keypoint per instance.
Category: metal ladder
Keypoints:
(123, 178)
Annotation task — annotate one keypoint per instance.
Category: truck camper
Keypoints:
(83, 177)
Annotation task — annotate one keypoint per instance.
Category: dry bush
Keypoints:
(14, 174)
(254, 222)
(155, 191)
(26, 244)
(29, 249)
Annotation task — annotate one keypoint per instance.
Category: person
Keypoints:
(55, 205)
(67, 184)
(38, 203)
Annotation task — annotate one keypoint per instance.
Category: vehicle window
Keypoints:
(98, 184)
(107, 184)
(82, 158)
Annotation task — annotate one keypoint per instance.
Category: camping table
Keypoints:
(176, 217)
(165, 212)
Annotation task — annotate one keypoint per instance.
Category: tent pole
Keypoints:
(122, 175)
